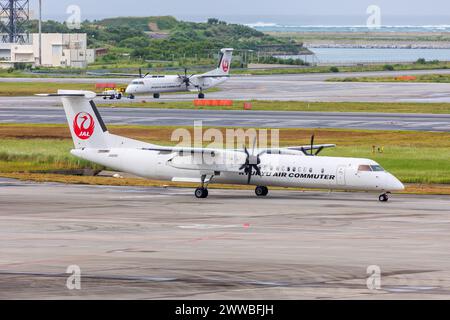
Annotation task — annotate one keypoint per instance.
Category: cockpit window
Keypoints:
(364, 168)
(377, 168)
(137, 82)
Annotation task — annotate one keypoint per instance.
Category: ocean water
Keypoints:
(275, 27)
(364, 55)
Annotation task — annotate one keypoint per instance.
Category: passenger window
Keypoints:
(293, 169)
(288, 169)
(364, 168)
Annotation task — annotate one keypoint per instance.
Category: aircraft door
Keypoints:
(341, 175)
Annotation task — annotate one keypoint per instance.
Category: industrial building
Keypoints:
(38, 49)
(58, 50)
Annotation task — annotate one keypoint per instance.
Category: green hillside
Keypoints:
(166, 38)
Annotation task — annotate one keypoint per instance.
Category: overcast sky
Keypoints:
(206, 8)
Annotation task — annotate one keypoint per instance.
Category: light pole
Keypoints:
(40, 32)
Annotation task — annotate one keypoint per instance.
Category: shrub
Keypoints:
(334, 69)
(388, 67)
(421, 61)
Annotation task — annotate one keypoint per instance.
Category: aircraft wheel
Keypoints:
(201, 96)
(201, 193)
(156, 95)
(119, 96)
(383, 198)
(261, 191)
(131, 97)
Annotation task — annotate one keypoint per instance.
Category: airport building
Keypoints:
(58, 50)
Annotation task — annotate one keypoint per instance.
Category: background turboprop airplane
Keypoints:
(299, 167)
(157, 84)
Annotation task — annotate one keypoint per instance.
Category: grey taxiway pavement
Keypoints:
(305, 87)
(256, 119)
(162, 243)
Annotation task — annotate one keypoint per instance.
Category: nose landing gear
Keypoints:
(384, 197)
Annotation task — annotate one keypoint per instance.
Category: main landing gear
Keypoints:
(384, 197)
(156, 95)
(202, 191)
(201, 95)
(261, 191)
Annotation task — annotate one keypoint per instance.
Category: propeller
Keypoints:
(252, 162)
(140, 74)
(186, 79)
(311, 151)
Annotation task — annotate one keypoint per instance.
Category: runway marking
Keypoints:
(209, 226)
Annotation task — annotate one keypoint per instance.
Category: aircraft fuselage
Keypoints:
(276, 170)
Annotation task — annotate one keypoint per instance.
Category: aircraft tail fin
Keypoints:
(86, 125)
(224, 66)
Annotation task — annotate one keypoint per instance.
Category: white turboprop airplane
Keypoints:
(297, 167)
(156, 85)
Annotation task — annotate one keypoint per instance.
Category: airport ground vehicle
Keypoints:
(113, 93)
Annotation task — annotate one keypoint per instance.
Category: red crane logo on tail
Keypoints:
(83, 125)
(225, 65)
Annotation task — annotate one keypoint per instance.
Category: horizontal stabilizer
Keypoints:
(70, 93)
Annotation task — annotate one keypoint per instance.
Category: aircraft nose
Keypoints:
(129, 90)
(394, 184)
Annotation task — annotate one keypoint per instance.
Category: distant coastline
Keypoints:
(274, 27)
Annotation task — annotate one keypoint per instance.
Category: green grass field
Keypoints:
(31, 88)
(19, 89)
(10, 89)
(327, 69)
(436, 108)
(18, 155)
(117, 67)
(415, 157)
(409, 164)
(423, 78)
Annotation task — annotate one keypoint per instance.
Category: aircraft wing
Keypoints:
(203, 159)
(286, 150)
(315, 147)
(298, 150)
(223, 160)
(184, 150)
